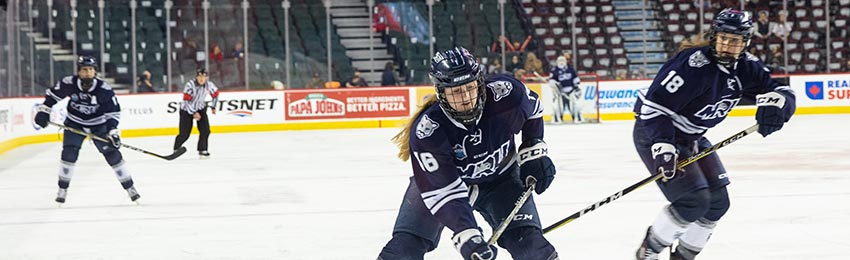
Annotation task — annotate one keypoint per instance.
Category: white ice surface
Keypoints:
(334, 194)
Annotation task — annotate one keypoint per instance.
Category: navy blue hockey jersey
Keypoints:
(692, 93)
(567, 77)
(94, 107)
(446, 156)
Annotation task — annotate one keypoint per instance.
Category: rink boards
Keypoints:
(245, 111)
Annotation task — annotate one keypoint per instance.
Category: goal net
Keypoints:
(583, 105)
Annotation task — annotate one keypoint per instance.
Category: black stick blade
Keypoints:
(176, 154)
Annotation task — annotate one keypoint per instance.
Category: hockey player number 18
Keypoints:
(427, 161)
(672, 82)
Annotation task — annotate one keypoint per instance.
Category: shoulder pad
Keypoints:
(698, 59)
(501, 89)
(426, 126)
(751, 57)
(104, 85)
(68, 80)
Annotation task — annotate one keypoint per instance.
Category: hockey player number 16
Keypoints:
(672, 82)
(427, 161)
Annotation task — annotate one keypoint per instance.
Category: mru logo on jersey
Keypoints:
(486, 166)
(829, 90)
(717, 110)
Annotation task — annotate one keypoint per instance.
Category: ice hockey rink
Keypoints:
(334, 194)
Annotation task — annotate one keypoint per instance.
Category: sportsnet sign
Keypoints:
(347, 104)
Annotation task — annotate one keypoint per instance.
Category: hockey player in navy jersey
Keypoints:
(694, 91)
(565, 79)
(463, 155)
(93, 108)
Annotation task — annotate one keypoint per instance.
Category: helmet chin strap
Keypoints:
(86, 84)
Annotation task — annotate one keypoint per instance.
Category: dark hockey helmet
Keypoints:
(731, 21)
(457, 67)
(86, 61)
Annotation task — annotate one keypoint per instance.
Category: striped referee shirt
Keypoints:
(194, 96)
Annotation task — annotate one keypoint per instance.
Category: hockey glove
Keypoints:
(769, 115)
(43, 116)
(665, 160)
(472, 246)
(534, 164)
(115, 138)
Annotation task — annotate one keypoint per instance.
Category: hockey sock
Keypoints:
(668, 226)
(66, 170)
(123, 175)
(695, 238)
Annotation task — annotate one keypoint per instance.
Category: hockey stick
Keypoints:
(169, 157)
(651, 179)
(504, 225)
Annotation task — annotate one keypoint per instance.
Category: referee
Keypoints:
(194, 107)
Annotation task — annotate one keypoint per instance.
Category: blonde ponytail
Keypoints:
(402, 139)
(697, 40)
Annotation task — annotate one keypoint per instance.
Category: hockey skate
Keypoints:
(60, 196)
(682, 253)
(134, 195)
(204, 154)
(645, 251)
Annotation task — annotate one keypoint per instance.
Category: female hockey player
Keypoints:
(461, 142)
(566, 81)
(194, 108)
(694, 91)
(93, 108)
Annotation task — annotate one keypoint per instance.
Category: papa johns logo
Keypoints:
(316, 104)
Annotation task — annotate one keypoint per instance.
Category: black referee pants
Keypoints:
(186, 129)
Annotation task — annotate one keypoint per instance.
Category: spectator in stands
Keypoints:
(495, 67)
(516, 63)
(622, 75)
(533, 64)
(520, 74)
(762, 29)
(389, 77)
(847, 66)
(775, 61)
(496, 47)
(316, 81)
(216, 57)
(192, 51)
(356, 81)
(782, 28)
(144, 83)
(239, 57)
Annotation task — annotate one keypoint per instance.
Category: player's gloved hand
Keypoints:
(769, 114)
(472, 246)
(665, 160)
(43, 116)
(534, 164)
(115, 137)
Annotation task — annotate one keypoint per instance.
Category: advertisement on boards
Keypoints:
(347, 104)
(617, 96)
(822, 90)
